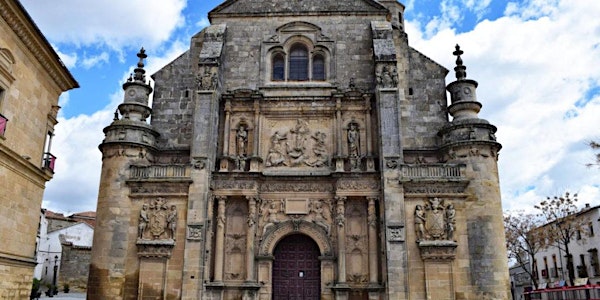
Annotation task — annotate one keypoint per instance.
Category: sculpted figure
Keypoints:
(450, 222)
(320, 151)
(172, 221)
(321, 215)
(271, 215)
(277, 152)
(242, 141)
(353, 145)
(386, 77)
(297, 149)
(143, 223)
(420, 223)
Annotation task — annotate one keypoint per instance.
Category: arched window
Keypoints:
(298, 63)
(318, 67)
(278, 67)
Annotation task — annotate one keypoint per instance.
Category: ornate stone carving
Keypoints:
(155, 249)
(234, 185)
(270, 211)
(358, 278)
(296, 187)
(353, 145)
(357, 184)
(387, 76)
(291, 149)
(207, 78)
(395, 233)
(235, 243)
(317, 233)
(438, 250)
(199, 163)
(434, 222)
(194, 232)
(157, 221)
(435, 187)
(320, 214)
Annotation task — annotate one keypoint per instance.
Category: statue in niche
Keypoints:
(143, 221)
(172, 221)
(242, 141)
(434, 221)
(321, 215)
(296, 150)
(353, 145)
(241, 147)
(270, 213)
(320, 150)
(277, 152)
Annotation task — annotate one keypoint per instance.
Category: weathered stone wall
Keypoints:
(424, 110)
(74, 267)
(173, 104)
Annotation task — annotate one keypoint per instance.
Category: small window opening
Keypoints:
(318, 67)
(278, 68)
(410, 91)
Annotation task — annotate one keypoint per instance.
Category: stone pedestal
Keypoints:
(438, 257)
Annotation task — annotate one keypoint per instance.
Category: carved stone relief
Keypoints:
(157, 220)
(194, 232)
(298, 147)
(206, 78)
(386, 75)
(354, 145)
(435, 221)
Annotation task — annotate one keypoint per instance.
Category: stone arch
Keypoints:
(283, 229)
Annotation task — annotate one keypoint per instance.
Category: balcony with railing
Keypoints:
(160, 172)
(49, 161)
(432, 171)
(3, 123)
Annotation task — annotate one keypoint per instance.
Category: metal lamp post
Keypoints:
(54, 289)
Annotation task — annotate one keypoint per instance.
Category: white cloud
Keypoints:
(532, 72)
(68, 59)
(78, 166)
(203, 23)
(112, 23)
(94, 60)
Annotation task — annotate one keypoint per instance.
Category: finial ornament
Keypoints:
(460, 69)
(139, 71)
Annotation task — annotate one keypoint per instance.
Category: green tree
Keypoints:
(563, 225)
(524, 240)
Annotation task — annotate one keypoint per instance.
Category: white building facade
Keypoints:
(550, 264)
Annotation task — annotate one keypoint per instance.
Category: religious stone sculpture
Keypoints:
(277, 152)
(270, 213)
(320, 150)
(353, 145)
(321, 215)
(387, 76)
(143, 223)
(298, 147)
(172, 221)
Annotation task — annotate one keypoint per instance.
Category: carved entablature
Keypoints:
(139, 188)
(274, 212)
(435, 187)
(438, 250)
(363, 184)
(155, 249)
(435, 221)
(315, 187)
(228, 185)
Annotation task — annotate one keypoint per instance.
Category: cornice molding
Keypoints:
(24, 27)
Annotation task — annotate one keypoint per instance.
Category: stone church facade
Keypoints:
(300, 150)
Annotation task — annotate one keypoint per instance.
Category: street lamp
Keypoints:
(54, 288)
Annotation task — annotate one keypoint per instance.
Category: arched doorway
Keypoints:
(296, 269)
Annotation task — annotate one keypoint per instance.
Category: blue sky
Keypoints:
(537, 63)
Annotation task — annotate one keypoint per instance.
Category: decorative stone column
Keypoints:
(368, 134)
(339, 161)
(341, 288)
(255, 158)
(220, 239)
(250, 238)
(224, 166)
(372, 220)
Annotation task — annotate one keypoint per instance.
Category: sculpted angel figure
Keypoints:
(321, 215)
(270, 214)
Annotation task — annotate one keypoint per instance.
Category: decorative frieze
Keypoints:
(435, 187)
(323, 187)
(234, 185)
(367, 184)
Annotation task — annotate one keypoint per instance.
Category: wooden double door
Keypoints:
(296, 269)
